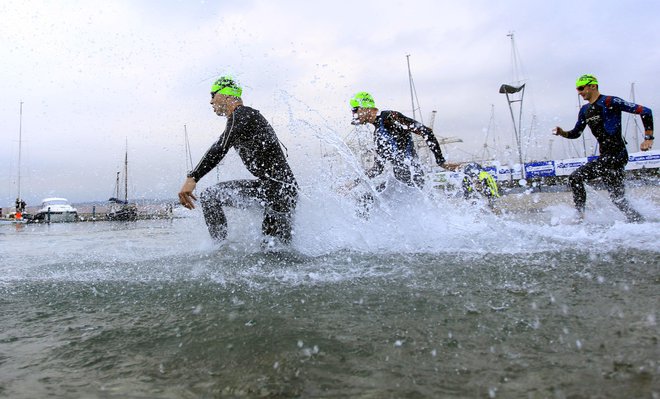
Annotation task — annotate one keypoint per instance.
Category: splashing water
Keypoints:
(428, 296)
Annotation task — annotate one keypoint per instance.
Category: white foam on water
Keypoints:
(406, 220)
(331, 242)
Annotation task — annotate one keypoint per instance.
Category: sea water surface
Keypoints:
(425, 299)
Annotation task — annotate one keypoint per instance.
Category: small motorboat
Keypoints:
(55, 210)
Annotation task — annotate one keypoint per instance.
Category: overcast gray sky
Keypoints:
(93, 75)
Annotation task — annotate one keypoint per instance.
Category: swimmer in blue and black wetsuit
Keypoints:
(603, 116)
(274, 188)
(394, 142)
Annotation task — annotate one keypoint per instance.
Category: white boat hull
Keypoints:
(56, 210)
(56, 217)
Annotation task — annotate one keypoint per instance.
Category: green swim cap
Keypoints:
(363, 100)
(227, 86)
(586, 80)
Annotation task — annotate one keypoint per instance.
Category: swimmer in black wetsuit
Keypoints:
(394, 142)
(603, 116)
(250, 134)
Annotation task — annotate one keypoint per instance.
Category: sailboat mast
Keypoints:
(515, 70)
(126, 175)
(20, 143)
(432, 121)
(485, 155)
(413, 93)
(117, 186)
(634, 118)
(189, 165)
(410, 82)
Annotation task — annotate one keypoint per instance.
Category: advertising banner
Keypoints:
(645, 159)
(540, 169)
(565, 167)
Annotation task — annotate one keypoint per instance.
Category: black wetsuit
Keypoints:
(604, 119)
(275, 187)
(394, 143)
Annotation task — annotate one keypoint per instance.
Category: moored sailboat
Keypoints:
(19, 215)
(122, 210)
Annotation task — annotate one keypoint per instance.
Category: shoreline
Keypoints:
(97, 212)
(531, 200)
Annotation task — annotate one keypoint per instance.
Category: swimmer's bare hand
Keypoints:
(186, 196)
(560, 132)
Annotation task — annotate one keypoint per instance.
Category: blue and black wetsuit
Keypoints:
(250, 134)
(604, 120)
(394, 143)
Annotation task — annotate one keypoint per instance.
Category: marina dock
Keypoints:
(97, 212)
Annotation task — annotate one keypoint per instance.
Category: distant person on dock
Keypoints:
(20, 205)
(394, 141)
(20, 209)
(275, 187)
(603, 116)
